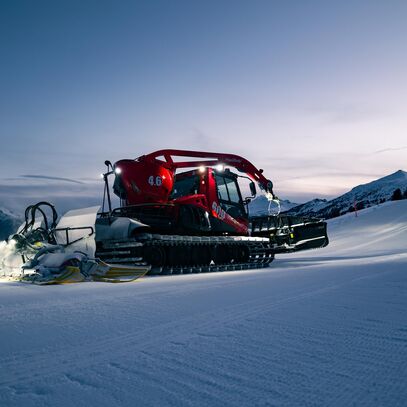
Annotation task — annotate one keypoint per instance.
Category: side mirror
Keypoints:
(253, 191)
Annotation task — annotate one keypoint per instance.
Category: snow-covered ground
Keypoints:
(318, 328)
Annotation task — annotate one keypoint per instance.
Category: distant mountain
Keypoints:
(259, 206)
(9, 222)
(315, 205)
(362, 196)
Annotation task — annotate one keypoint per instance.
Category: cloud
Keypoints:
(64, 196)
(386, 150)
(198, 139)
(354, 114)
(52, 178)
(201, 139)
(333, 174)
(347, 113)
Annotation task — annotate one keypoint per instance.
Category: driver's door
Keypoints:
(229, 196)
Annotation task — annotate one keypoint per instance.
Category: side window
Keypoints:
(229, 196)
(227, 189)
(232, 189)
(222, 190)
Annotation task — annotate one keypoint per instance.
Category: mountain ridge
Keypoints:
(360, 196)
(9, 222)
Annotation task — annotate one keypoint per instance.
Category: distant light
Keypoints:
(202, 169)
(118, 170)
(220, 167)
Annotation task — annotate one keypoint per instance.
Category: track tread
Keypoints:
(260, 252)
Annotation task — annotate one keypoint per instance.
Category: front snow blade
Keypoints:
(291, 233)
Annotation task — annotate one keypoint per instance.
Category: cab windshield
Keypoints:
(184, 186)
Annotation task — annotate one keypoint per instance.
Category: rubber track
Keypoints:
(119, 251)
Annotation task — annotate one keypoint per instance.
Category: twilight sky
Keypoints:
(314, 92)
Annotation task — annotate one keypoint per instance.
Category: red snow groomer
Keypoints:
(197, 220)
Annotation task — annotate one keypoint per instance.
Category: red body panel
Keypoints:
(151, 180)
(145, 181)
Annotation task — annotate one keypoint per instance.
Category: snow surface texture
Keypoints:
(324, 327)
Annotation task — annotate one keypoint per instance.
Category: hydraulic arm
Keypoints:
(212, 159)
